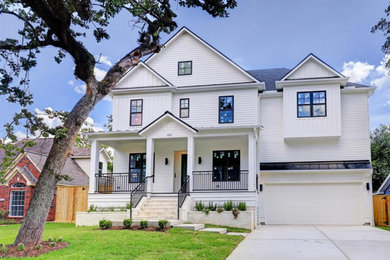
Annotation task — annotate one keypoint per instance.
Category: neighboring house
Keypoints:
(385, 187)
(22, 176)
(293, 144)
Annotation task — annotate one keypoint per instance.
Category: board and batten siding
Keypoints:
(154, 105)
(353, 144)
(140, 77)
(311, 69)
(207, 66)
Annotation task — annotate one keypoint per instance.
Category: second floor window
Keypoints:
(184, 107)
(226, 109)
(184, 68)
(136, 112)
(311, 104)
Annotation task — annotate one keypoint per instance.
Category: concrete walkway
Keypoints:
(314, 242)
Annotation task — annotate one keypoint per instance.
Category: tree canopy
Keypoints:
(380, 155)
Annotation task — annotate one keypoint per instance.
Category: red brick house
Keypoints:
(21, 178)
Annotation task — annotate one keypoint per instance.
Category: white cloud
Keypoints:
(99, 73)
(381, 78)
(357, 71)
(71, 82)
(50, 122)
(104, 60)
(20, 135)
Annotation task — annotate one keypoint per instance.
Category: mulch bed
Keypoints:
(33, 252)
(157, 229)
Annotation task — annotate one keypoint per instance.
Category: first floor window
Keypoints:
(311, 104)
(137, 167)
(17, 203)
(226, 109)
(184, 107)
(136, 112)
(226, 165)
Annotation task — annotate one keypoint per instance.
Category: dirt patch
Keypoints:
(157, 229)
(32, 252)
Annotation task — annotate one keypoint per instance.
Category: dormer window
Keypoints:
(184, 68)
(311, 104)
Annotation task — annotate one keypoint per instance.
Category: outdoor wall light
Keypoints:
(199, 160)
(166, 161)
(368, 186)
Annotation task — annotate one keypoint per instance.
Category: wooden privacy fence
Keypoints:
(381, 210)
(69, 201)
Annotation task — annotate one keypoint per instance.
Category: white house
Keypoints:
(293, 144)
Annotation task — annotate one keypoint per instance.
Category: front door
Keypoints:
(183, 169)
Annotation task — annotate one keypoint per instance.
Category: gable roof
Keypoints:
(309, 57)
(140, 65)
(167, 114)
(384, 186)
(209, 46)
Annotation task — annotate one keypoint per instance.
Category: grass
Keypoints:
(229, 229)
(89, 243)
(384, 228)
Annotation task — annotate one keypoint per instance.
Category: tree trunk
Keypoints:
(31, 231)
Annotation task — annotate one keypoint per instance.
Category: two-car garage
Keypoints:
(313, 197)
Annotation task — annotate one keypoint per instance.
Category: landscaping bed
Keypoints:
(157, 229)
(46, 246)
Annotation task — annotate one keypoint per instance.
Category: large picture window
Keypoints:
(311, 104)
(226, 109)
(16, 206)
(184, 107)
(136, 112)
(184, 68)
(226, 165)
(137, 167)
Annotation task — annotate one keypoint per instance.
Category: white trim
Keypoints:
(147, 128)
(10, 200)
(12, 173)
(184, 29)
(379, 191)
(311, 56)
(106, 154)
(300, 82)
(353, 89)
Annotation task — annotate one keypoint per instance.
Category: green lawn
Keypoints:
(229, 229)
(89, 243)
(385, 228)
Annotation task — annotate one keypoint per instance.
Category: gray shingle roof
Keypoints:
(269, 76)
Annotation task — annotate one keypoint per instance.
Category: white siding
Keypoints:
(295, 127)
(154, 105)
(311, 69)
(204, 108)
(121, 157)
(354, 143)
(140, 77)
(207, 66)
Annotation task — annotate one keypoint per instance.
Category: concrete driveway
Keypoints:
(314, 242)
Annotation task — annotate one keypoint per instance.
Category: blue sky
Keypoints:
(258, 34)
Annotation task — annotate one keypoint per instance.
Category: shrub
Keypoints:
(199, 206)
(220, 210)
(127, 223)
(3, 248)
(111, 209)
(163, 223)
(212, 206)
(206, 211)
(38, 247)
(241, 206)
(11, 221)
(92, 208)
(235, 212)
(3, 214)
(20, 247)
(128, 206)
(228, 205)
(144, 224)
(53, 244)
(60, 239)
(105, 224)
(50, 239)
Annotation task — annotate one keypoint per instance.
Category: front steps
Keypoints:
(157, 208)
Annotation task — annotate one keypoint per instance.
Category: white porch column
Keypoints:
(190, 159)
(149, 163)
(95, 150)
(252, 161)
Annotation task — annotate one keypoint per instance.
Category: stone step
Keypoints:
(192, 227)
(161, 203)
(162, 211)
(154, 217)
(215, 230)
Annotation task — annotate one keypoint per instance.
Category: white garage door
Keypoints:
(321, 203)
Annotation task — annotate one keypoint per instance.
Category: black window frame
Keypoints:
(225, 173)
(181, 108)
(312, 104)
(100, 169)
(133, 113)
(220, 110)
(142, 172)
(178, 68)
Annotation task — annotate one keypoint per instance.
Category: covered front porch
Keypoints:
(171, 159)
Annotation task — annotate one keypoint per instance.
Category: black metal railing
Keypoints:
(182, 194)
(137, 194)
(208, 181)
(114, 182)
